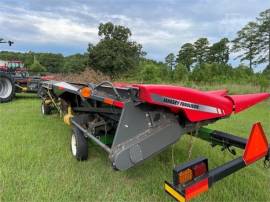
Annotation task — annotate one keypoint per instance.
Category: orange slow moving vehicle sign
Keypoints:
(257, 145)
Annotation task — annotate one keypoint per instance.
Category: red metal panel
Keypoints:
(188, 95)
(196, 189)
(118, 104)
(219, 100)
(47, 78)
(242, 102)
(222, 92)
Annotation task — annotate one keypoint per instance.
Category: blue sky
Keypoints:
(66, 26)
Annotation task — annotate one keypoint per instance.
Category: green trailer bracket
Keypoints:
(220, 138)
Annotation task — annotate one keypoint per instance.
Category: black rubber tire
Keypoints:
(80, 152)
(7, 82)
(45, 109)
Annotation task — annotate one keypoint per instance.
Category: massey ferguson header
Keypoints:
(133, 122)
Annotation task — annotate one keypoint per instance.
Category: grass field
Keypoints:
(36, 163)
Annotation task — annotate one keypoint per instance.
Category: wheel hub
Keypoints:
(42, 109)
(5, 88)
(73, 145)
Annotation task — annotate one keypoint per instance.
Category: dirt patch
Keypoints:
(89, 75)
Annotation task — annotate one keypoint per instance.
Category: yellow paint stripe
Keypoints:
(48, 102)
(24, 89)
(174, 193)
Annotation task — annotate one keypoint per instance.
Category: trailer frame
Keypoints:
(195, 186)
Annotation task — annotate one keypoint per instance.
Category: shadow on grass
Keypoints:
(29, 96)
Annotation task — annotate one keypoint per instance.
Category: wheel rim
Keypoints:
(42, 108)
(5, 88)
(73, 145)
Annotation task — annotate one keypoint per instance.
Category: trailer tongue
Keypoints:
(193, 178)
(134, 122)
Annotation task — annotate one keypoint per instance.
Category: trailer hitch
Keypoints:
(194, 177)
(229, 149)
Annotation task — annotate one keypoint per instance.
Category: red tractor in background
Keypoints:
(14, 78)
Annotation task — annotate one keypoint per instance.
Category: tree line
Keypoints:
(48, 62)
(252, 44)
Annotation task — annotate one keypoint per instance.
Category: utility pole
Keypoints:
(9, 42)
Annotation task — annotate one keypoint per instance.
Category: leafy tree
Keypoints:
(75, 63)
(263, 81)
(89, 49)
(52, 62)
(36, 66)
(267, 69)
(186, 55)
(264, 35)
(242, 73)
(210, 73)
(219, 52)
(26, 58)
(170, 61)
(180, 73)
(247, 42)
(150, 73)
(201, 50)
(111, 31)
(114, 53)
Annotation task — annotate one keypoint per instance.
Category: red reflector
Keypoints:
(199, 169)
(61, 88)
(118, 104)
(257, 145)
(196, 189)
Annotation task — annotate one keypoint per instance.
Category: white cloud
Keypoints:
(47, 27)
(176, 24)
(233, 22)
(161, 27)
(64, 30)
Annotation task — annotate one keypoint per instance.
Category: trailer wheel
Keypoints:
(78, 143)
(7, 88)
(45, 109)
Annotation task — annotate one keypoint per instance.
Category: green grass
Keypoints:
(36, 163)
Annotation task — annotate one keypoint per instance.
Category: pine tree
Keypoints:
(201, 50)
(219, 52)
(247, 43)
(264, 34)
(170, 61)
(186, 55)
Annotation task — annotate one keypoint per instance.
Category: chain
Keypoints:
(173, 162)
(191, 140)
